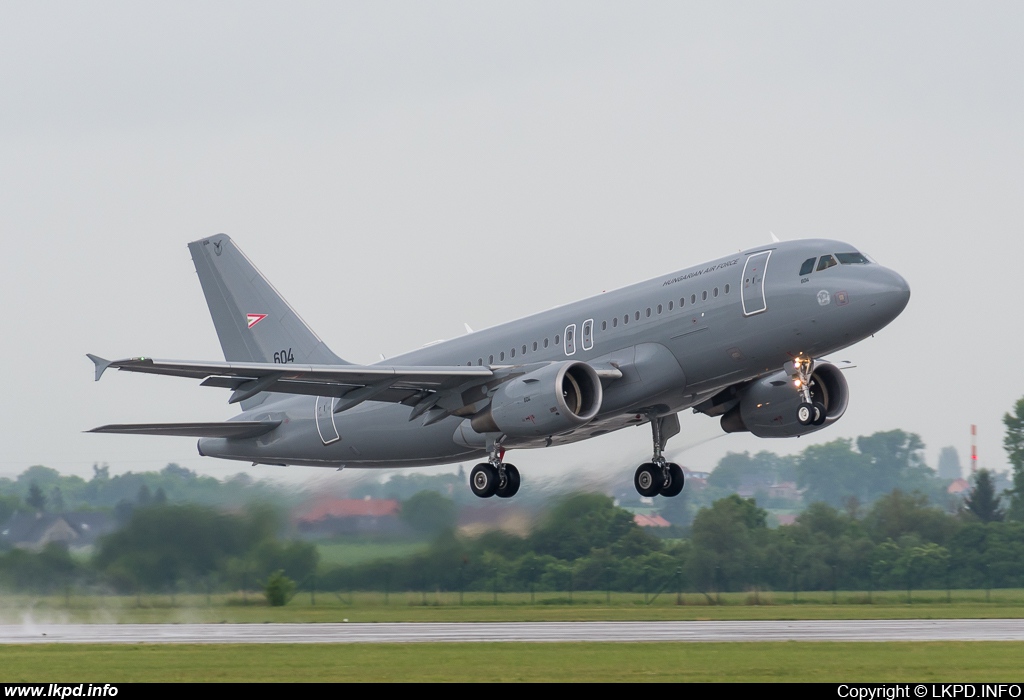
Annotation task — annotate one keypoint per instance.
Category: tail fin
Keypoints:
(254, 323)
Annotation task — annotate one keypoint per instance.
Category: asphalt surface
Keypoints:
(363, 633)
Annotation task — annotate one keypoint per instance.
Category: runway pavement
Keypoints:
(362, 633)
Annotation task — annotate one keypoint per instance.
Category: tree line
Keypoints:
(900, 539)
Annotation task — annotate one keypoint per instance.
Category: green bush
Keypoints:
(279, 588)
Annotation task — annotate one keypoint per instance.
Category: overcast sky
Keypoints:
(397, 169)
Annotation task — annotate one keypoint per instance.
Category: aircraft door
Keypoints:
(588, 334)
(570, 339)
(753, 298)
(325, 419)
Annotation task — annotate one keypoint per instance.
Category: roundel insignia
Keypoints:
(253, 319)
(823, 298)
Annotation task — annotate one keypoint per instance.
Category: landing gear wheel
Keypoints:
(648, 480)
(820, 413)
(512, 480)
(805, 414)
(483, 480)
(675, 481)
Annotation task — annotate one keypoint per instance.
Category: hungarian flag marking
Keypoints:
(253, 319)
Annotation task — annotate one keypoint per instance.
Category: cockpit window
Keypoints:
(808, 267)
(852, 259)
(826, 262)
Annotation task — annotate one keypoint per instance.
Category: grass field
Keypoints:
(593, 662)
(481, 606)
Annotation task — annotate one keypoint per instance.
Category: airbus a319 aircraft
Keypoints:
(740, 338)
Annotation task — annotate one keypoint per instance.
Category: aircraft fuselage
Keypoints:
(677, 339)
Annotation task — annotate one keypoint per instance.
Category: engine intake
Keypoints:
(547, 401)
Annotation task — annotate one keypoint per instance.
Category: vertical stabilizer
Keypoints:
(254, 323)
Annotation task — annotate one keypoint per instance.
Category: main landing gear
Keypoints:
(494, 477)
(810, 411)
(660, 476)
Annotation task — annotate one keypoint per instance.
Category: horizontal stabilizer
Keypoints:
(228, 429)
(100, 363)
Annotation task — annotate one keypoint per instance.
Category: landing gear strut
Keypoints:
(660, 476)
(494, 477)
(809, 412)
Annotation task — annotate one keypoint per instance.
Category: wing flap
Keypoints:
(228, 429)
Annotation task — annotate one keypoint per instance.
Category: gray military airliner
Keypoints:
(739, 338)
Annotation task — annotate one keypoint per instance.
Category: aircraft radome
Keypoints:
(740, 338)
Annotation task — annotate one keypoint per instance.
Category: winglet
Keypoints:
(101, 364)
(775, 239)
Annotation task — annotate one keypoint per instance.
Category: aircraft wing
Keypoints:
(228, 429)
(436, 391)
(390, 383)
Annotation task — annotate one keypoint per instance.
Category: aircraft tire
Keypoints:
(512, 481)
(483, 480)
(820, 414)
(647, 479)
(676, 480)
(805, 414)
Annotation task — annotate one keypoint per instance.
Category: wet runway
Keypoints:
(363, 633)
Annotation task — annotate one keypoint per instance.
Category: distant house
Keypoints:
(958, 487)
(654, 520)
(695, 479)
(34, 531)
(785, 490)
(329, 517)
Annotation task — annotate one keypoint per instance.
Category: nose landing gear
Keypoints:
(811, 411)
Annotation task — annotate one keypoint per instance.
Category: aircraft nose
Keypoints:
(896, 295)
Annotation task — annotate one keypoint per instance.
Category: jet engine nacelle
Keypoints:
(546, 401)
(768, 406)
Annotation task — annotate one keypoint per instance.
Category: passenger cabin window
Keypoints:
(852, 259)
(826, 262)
(808, 267)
